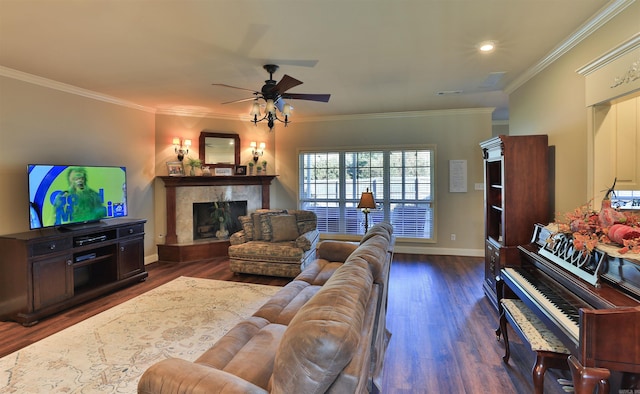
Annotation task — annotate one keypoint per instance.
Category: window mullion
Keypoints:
(386, 179)
(342, 193)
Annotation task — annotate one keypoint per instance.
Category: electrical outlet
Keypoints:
(453, 237)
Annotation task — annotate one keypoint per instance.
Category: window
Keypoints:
(401, 181)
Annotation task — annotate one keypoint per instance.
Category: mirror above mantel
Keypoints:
(219, 149)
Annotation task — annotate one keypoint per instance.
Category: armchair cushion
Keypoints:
(265, 224)
(283, 228)
(247, 227)
(305, 241)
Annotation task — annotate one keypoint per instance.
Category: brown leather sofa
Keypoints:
(324, 332)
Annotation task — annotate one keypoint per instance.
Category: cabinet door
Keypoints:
(130, 257)
(52, 281)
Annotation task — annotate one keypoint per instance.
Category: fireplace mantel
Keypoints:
(177, 181)
(173, 182)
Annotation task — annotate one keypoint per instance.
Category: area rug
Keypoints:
(108, 353)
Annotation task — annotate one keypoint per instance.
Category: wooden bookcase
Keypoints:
(50, 270)
(516, 197)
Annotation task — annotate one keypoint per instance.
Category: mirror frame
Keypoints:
(202, 147)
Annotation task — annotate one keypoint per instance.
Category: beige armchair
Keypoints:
(274, 243)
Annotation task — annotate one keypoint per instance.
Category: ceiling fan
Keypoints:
(274, 93)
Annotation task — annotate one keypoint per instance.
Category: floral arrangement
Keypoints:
(221, 212)
(588, 227)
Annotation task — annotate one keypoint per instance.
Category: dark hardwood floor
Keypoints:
(442, 326)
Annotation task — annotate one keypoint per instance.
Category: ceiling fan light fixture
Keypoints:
(271, 108)
(255, 109)
(286, 110)
(273, 93)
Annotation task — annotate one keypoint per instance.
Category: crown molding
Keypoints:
(396, 115)
(199, 114)
(625, 47)
(603, 16)
(63, 87)
(302, 119)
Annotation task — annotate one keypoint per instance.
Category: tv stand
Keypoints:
(46, 271)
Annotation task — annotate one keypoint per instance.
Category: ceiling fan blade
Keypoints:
(285, 84)
(240, 101)
(310, 97)
(233, 87)
(290, 62)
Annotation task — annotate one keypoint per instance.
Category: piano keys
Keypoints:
(591, 304)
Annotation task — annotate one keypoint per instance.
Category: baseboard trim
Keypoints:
(438, 251)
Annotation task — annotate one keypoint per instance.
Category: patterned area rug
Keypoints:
(108, 353)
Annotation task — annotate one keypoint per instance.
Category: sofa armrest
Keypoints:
(336, 250)
(175, 375)
(307, 240)
(237, 238)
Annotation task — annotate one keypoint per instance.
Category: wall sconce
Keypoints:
(256, 150)
(366, 204)
(181, 147)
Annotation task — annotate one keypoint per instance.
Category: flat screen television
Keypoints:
(67, 195)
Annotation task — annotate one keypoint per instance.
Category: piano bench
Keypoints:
(550, 352)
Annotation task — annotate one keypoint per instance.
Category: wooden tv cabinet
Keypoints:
(49, 270)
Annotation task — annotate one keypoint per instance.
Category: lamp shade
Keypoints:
(367, 201)
(271, 107)
(255, 109)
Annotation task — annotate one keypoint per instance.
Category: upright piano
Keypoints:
(591, 302)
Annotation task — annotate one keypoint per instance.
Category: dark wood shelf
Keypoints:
(516, 171)
(43, 277)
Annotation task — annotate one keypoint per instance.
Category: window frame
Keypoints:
(344, 203)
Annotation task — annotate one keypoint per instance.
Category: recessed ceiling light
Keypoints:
(487, 46)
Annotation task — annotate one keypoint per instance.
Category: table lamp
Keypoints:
(366, 204)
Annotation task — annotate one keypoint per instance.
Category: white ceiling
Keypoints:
(372, 56)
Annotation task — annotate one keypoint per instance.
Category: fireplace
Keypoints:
(204, 226)
(183, 191)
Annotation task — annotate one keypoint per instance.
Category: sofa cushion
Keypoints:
(247, 351)
(384, 229)
(283, 228)
(336, 250)
(322, 338)
(284, 305)
(374, 251)
(318, 271)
